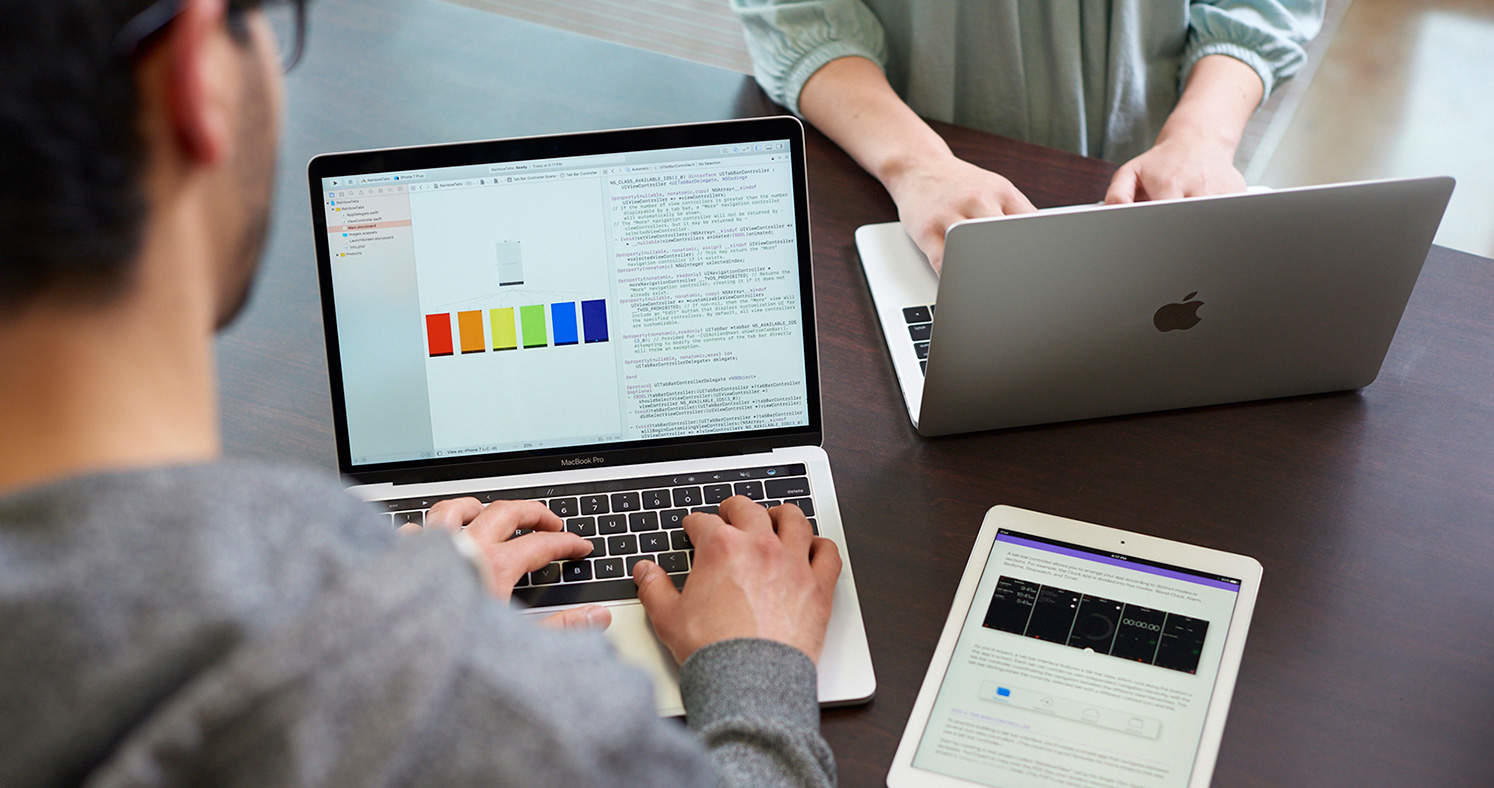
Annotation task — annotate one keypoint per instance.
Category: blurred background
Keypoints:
(1391, 88)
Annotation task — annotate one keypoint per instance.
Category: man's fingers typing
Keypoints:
(824, 561)
(657, 593)
(527, 553)
(453, 513)
(746, 514)
(792, 527)
(500, 519)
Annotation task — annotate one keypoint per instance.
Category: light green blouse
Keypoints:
(1097, 77)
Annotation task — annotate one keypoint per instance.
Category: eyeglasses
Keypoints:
(287, 19)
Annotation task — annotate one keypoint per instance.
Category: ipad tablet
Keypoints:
(1080, 655)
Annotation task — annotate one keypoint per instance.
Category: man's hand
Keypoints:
(757, 574)
(934, 194)
(508, 557)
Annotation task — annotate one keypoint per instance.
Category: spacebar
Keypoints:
(576, 593)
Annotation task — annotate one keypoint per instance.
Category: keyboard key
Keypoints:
(643, 521)
(655, 499)
(576, 571)
(687, 496)
(673, 518)
(920, 332)
(674, 562)
(563, 507)
(416, 517)
(622, 545)
(626, 502)
(609, 524)
(522, 581)
(653, 542)
(550, 574)
(679, 540)
(594, 504)
(917, 314)
(706, 510)
(716, 493)
(753, 490)
(804, 504)
(634, 559)
(814, 526)
(598, 547)
(931, 310)
(608, 567)
(582, 526)
(770, 504)
(787, 488)
(923, 366)
(922, 349)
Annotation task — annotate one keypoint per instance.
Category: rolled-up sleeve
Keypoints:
(790, 40)
(1267, 35)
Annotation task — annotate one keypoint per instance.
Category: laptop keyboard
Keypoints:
(920, 320)
(626, 521)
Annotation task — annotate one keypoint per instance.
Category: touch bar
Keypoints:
(470, 325)
(533, 320)
(438, 333)
(505, 336)
(563, 321)
(594, 316)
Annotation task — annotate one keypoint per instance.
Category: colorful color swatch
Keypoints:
(563, 322)
(438, 333)
(505, 337)
(470, 326)
(533, 320)
(594, 316)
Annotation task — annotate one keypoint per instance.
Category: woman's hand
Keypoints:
(935, 193)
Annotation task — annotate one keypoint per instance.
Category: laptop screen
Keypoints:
(543, 305)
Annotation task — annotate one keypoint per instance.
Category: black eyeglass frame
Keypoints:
(147, 24)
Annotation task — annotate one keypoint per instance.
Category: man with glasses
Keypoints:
(170, 617)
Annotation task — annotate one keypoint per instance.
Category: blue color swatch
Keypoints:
(594, 315)
(563, 322)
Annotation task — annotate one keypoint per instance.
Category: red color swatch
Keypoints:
(438, 333)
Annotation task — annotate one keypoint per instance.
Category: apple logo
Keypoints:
(1178, 317)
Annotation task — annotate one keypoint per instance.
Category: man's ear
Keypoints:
(199, 87)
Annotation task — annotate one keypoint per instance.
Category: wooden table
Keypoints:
(1371, 659)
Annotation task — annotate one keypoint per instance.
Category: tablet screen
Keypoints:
(1079, 667)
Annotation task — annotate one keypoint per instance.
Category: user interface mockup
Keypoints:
(1079, 667)
(568, 302)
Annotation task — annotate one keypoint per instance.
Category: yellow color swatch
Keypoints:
(504, 335)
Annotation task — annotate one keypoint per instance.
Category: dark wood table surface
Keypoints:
(1371, 657)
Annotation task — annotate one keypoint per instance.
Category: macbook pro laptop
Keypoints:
(619, 324)
(1088, 311)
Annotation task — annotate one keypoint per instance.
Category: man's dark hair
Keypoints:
(71, 153)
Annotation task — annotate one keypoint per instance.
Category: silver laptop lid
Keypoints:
(566, 301)
(1125, 309)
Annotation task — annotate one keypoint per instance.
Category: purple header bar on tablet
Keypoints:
(1105, 559)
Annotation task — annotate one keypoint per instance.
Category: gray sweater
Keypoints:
(234, 624)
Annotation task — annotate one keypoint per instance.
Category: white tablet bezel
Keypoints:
(1247, 570)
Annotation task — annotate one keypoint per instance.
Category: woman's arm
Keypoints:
(1195, 151)
(850, 100)
(1237, 51)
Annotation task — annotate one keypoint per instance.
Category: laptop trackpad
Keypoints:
(636, 645)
